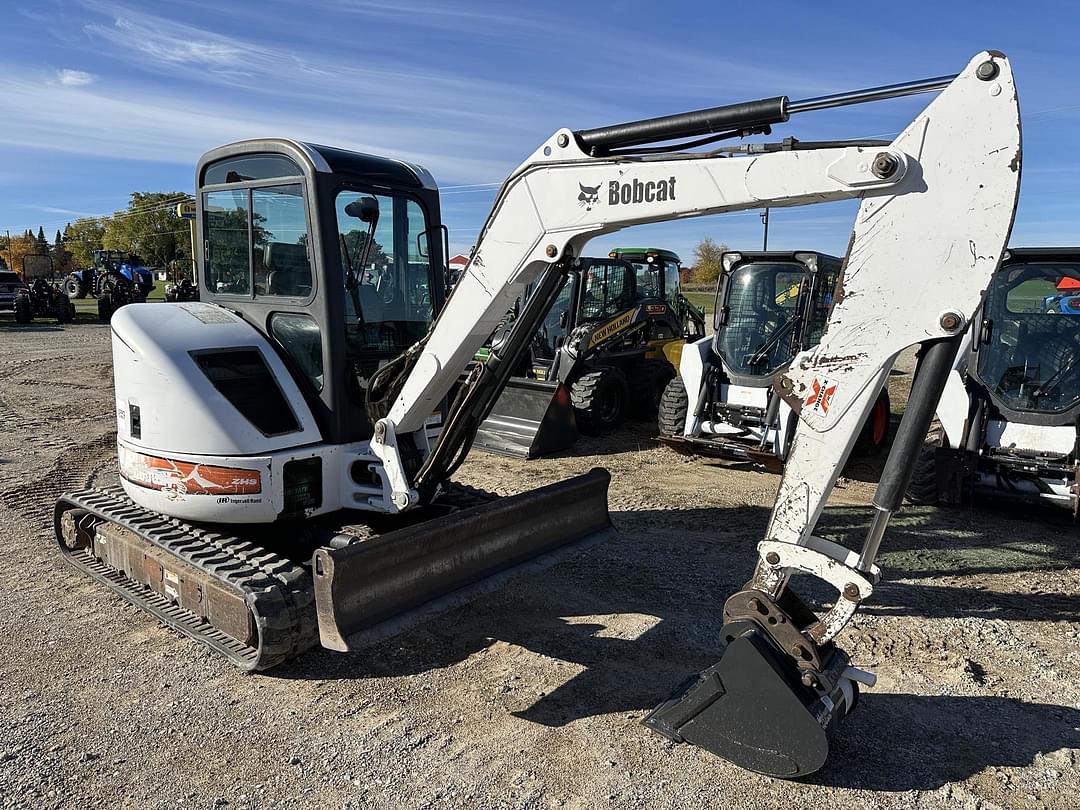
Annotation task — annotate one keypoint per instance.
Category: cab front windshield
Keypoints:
(1029, 354)
(760, 333)
(388, 304)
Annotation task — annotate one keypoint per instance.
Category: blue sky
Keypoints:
(99, 98)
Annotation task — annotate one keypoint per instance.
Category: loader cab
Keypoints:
(337, 257)
(658, 277)
(1026, 353)
(769, 306)
(596, 291)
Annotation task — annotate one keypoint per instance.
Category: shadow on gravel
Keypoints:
(637, 435)
(637, 614)
(907, 742)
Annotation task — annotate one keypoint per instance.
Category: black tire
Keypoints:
(875, 432)
(24, 313)
(923, 488)
(649, 379)
(674, 405)
(74, 287)
(65, 310)
(105, 307)
(600, 398)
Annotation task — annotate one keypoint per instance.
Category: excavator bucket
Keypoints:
(751, 709)
(531, 418)
(375, 587)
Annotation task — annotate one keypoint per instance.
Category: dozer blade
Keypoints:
(752, 709)
(429, 566)
(531, 418)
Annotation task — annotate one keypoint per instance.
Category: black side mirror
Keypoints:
(366, 209)
(564, 318)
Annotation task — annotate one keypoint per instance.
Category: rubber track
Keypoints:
(279, 593)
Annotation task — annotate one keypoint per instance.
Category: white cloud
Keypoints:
(137, 123)
(75, 78)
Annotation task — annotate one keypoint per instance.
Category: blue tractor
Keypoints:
(117, 278)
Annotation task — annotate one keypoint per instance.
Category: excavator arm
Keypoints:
(937, 209)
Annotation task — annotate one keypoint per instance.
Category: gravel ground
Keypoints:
(530, 696)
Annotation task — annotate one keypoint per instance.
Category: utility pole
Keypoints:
(765, 221)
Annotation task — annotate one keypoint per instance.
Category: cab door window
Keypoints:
(388, 283)
(281, 261)
(228, 242)
(671, 281)
(257, 241)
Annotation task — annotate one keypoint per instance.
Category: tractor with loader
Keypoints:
(308, 496)
(40, 296)
(605, 351)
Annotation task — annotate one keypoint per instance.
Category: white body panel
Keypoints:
(197, 457)
(692, 369)
(180, 410)
(952, 409)
(1041, 438)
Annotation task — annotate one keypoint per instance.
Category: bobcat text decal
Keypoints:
(631, 193)
(636, 191)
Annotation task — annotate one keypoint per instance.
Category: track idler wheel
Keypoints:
(754, 710)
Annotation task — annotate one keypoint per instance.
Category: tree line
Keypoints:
(148, 227)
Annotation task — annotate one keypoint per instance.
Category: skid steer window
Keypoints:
(552, 331)
(608, 291)
(648, 279)
(671, 281)
(227, 242)
(1029, 356)
(760, 334)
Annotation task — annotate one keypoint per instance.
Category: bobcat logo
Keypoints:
(589, 196)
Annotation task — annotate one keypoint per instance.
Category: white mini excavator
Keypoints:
(286, 443)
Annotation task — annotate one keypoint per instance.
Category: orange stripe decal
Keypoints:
(188, 478)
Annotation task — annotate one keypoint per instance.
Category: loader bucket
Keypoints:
(531, 418)
(379, 586)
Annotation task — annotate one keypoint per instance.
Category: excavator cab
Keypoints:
(337, 257)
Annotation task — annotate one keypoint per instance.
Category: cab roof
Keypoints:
(621, 252)
(325, 159)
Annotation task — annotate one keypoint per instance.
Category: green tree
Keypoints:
(82, 237)
(42, 242)
(151, 228)
(707, 265)
(20, 247)
(63, 261)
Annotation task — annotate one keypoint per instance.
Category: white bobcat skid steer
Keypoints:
(769, 306)
(1007, 423)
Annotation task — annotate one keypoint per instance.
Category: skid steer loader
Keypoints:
(1007, 423)
(769, 306)
(606, 350)
(311, 385)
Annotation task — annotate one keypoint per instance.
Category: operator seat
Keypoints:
(289, 269)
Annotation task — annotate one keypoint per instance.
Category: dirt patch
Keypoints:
(530, 696)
